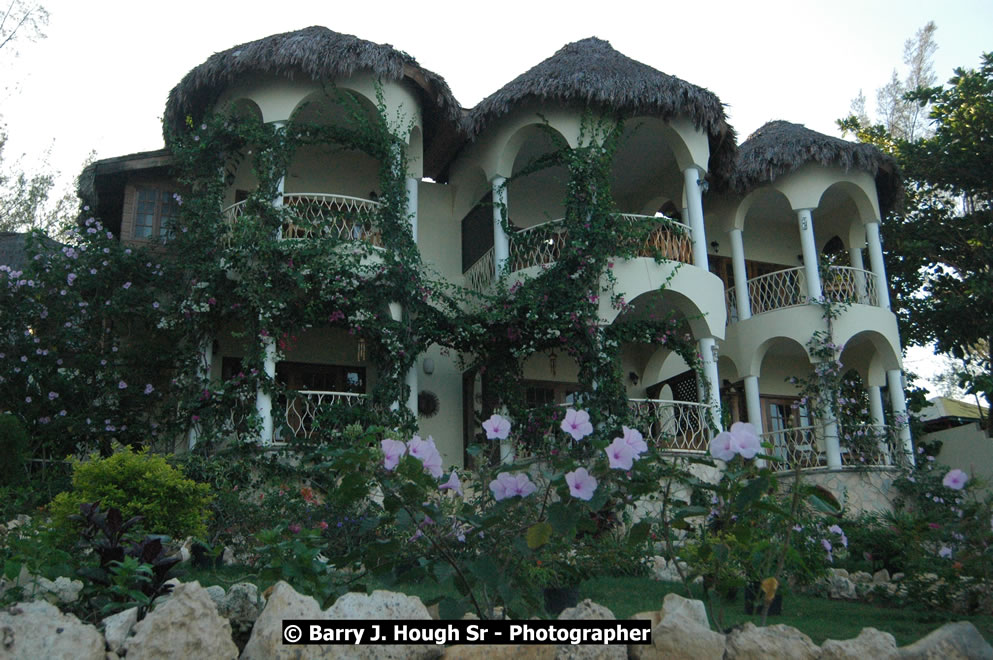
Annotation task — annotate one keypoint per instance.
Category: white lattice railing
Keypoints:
(673, 425)
(783, 288)
(537, 246)
(323, 215)
(671, 239)
(844, 284)
(862, 446)
(788, 288)
(542, 244)
(304, 406)
(795, 447)
(479, 275)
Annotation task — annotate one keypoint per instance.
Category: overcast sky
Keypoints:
(99, 81)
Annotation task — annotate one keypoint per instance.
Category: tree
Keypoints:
(940, 243)
(22, 20)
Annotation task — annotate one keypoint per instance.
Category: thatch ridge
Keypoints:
(781, 147)
(315, 52)
(590, 72)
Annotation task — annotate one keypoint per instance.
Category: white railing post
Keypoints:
(744, 304)
(205, 357)
(809, 249)
(263, 399)
(692, 177)
(501, 242)
(877, 264)
(898, 403)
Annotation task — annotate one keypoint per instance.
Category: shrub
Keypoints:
(138, 484)
(13, 447)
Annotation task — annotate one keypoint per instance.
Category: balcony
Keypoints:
(865, 446)
(788, 288)
(541, 245)
(673, 426)
(304, 407)
(320, 215)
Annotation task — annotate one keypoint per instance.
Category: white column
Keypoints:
(878, 422)
(876, 405)
(708, 354)
(410, 380)
(263, 400)
(753, 403)
(831, 442)
(894, 378)
(280, 126)
(876, 263)
(501, 242)
(809, 249)
(855, 257)
(205, 356)
(694, 207)
(412, 206)
(740, 277)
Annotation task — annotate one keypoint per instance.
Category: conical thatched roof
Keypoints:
(591, 72)
(781, 147)
(319, 54)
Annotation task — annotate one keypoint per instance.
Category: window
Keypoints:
(156, 210)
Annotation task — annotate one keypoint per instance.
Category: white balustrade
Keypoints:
(323, 215)
(303, 408)
(673, 426)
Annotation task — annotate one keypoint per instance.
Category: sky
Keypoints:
(99, 81)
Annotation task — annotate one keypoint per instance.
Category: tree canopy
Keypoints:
(940, 243)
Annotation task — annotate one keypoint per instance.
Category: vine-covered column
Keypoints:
(501, 242)
(898, 403)
(809, 249)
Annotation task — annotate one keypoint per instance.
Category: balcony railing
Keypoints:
(542, 244)
(323, 215)
(303, 408)
(788, 288)
(674, 426)
(863, 446)
(479, 276)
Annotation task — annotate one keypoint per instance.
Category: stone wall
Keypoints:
(868, 490)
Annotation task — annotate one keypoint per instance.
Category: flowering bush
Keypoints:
(753, 532)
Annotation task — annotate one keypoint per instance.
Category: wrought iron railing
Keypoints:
(479, 276)
(783, 288)
(861, 446)
(844, 284)
(303, 408)
(542, 244)
(678, 426)
(323, 215)
(788, 288)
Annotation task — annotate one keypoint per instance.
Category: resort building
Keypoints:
(759, 238)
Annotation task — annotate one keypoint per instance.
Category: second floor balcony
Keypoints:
(788, 288)
(321, 215)
(542, 245)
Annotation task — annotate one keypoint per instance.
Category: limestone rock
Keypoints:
(860, 576)
(40, 630)
(683, 632)
(839, 572)
(242, 604)
(216, 593)
(779, 641)
(283, 602)
(587, 610)
(952, 641)
(882, 576)
(841, 588)
(186, 625)
(117, 628)
(870, 643)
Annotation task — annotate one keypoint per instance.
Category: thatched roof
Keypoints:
(780, 147)
(591, 72)
(319, 54)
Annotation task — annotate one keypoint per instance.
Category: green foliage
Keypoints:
(939, 244)
(14, 448)
(138, 484)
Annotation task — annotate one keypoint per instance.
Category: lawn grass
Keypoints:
(819, 618)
